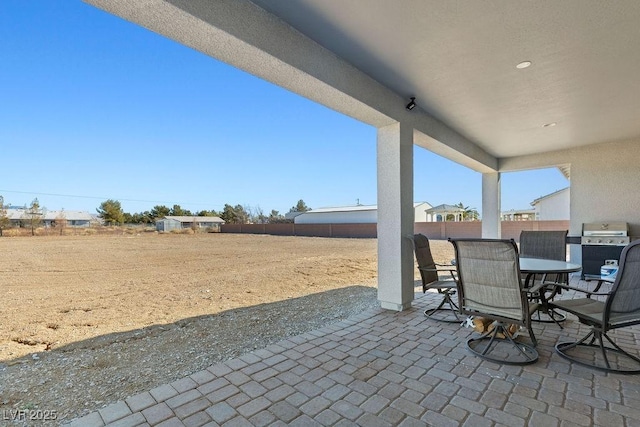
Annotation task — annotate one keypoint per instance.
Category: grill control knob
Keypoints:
(609, 241)
(599, 240)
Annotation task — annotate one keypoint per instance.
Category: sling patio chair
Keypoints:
(430, 275)
(546, 245)
(489, 286)
(620, 308)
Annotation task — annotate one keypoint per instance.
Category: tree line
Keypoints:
(111, 212)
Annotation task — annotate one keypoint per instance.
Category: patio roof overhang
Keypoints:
(366, 58)
(576, 103)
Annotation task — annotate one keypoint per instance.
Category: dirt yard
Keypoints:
(108, 315)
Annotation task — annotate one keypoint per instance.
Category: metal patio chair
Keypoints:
(430, 275)
(546, 245)
(489, 286)
(620, 309)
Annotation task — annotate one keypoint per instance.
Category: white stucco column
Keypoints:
(395, 217)
(491, 205)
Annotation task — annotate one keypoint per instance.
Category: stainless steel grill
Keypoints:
(607, 233)
(600, 242)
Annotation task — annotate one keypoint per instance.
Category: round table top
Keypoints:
(539, 265)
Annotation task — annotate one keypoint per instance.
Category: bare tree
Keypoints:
(4, 219)
(275, 217)
(61, 222)
(33, 216)
(256, 214)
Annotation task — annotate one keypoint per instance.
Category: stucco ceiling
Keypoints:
(458, 58)
(365, 58)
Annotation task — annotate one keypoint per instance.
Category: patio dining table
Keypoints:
(534, 266)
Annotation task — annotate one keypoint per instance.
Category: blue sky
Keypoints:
(94, 107)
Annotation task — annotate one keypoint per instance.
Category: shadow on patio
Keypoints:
(383, 368)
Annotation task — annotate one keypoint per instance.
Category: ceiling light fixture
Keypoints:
(412, 104)
(548, 125)
(523, 65)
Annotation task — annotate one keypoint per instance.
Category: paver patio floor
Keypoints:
(384, 368)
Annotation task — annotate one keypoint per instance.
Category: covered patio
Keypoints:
(386, 368)
(498, 87)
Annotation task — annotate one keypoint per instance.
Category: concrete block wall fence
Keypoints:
(433, 230)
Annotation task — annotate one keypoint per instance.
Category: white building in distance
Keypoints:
(554, 206)
(169, 223)
(49, 218)
(359, 214)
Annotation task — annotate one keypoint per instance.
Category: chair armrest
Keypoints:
(584, 291)
(452, 271)
(447, 266)
(601, 281)
(533, 289)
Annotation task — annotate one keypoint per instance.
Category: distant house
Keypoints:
(15, 216)
(359, 214)
(71, 218)
(518, 215)
(166, 225)
(169, 223)
(49, 218)
(554, 206)
(441, 212)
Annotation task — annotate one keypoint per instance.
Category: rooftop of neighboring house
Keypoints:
(356, 208)
(539, 199)
(47, 215)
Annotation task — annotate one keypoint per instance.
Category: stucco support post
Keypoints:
(395, 217)
(491, 205)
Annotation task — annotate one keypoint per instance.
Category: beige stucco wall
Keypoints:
(606, 185)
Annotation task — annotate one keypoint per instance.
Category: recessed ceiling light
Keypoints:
(548, 125)
(523, 64)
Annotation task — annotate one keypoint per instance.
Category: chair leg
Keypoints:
(554, 317)
(532, 336)
(597, 342)
(524, 355)
(617, 347)
(453, 308)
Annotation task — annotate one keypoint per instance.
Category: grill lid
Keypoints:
(605, 229)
